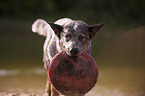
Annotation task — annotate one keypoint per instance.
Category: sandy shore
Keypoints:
(16, 94)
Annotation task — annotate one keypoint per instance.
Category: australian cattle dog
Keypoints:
(74, 36)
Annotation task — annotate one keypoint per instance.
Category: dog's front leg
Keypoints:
(48, 87)
(53, 91)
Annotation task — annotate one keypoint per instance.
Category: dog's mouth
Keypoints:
(74, 52)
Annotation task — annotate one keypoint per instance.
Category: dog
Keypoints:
(74, 36)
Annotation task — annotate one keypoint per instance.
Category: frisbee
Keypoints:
(73, 74)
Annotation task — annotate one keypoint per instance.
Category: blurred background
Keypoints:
(118, 48)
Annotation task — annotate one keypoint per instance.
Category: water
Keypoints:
(23, 80)
(111, 82)
(121, 66)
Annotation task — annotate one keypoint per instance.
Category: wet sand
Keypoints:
(16, 94)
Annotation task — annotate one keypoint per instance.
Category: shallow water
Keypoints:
(112, 81)
(121, 66)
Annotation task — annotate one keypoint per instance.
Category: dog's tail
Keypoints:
(41, 27)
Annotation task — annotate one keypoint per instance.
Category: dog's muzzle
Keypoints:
(74, 52)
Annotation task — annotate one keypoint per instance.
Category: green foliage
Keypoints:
(108, 11)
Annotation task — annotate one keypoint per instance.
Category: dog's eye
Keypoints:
(81, 37)
(68, 37)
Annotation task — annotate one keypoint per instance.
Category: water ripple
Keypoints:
(14, 72)
(4, 72)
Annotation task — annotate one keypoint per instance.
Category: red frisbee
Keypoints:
(73, 75)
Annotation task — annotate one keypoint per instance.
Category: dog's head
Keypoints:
(75, 36)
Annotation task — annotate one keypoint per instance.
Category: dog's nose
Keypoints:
(74, 51)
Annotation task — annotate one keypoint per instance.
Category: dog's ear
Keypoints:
(57, 28)
(93, 29)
